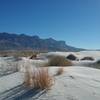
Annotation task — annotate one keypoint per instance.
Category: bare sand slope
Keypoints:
(10, 81)
(76, 83)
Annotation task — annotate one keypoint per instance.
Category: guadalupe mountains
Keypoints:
(24, 42)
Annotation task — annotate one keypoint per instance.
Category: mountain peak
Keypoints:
(23, 42)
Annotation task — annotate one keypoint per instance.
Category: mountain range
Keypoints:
(10, 41)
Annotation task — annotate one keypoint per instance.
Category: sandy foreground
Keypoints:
(76, 83)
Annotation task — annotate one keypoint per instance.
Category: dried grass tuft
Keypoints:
(60, 71)
(39, 79)
(59, 61)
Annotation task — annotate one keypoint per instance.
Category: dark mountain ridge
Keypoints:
(25, 42)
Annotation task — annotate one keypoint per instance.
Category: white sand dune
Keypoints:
(78, 82)
(81, 54)
(74, 84)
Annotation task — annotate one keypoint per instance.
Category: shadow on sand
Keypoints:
(22, 93)
(30, 94)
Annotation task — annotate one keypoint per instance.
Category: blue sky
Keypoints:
(75, 21)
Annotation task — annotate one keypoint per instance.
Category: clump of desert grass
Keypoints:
(59, 61)
(59, 71)
(71, 57)
(39, 79)
(33, 56)
(88, 58)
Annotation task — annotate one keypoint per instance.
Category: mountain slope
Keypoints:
(25, 42)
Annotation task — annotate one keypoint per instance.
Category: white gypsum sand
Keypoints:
(75, 83)
(10, 81)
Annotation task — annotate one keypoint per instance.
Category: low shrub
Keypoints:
(59, 61)
(98, 62)
(33, 56)
(88, 58)
(71, 57)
